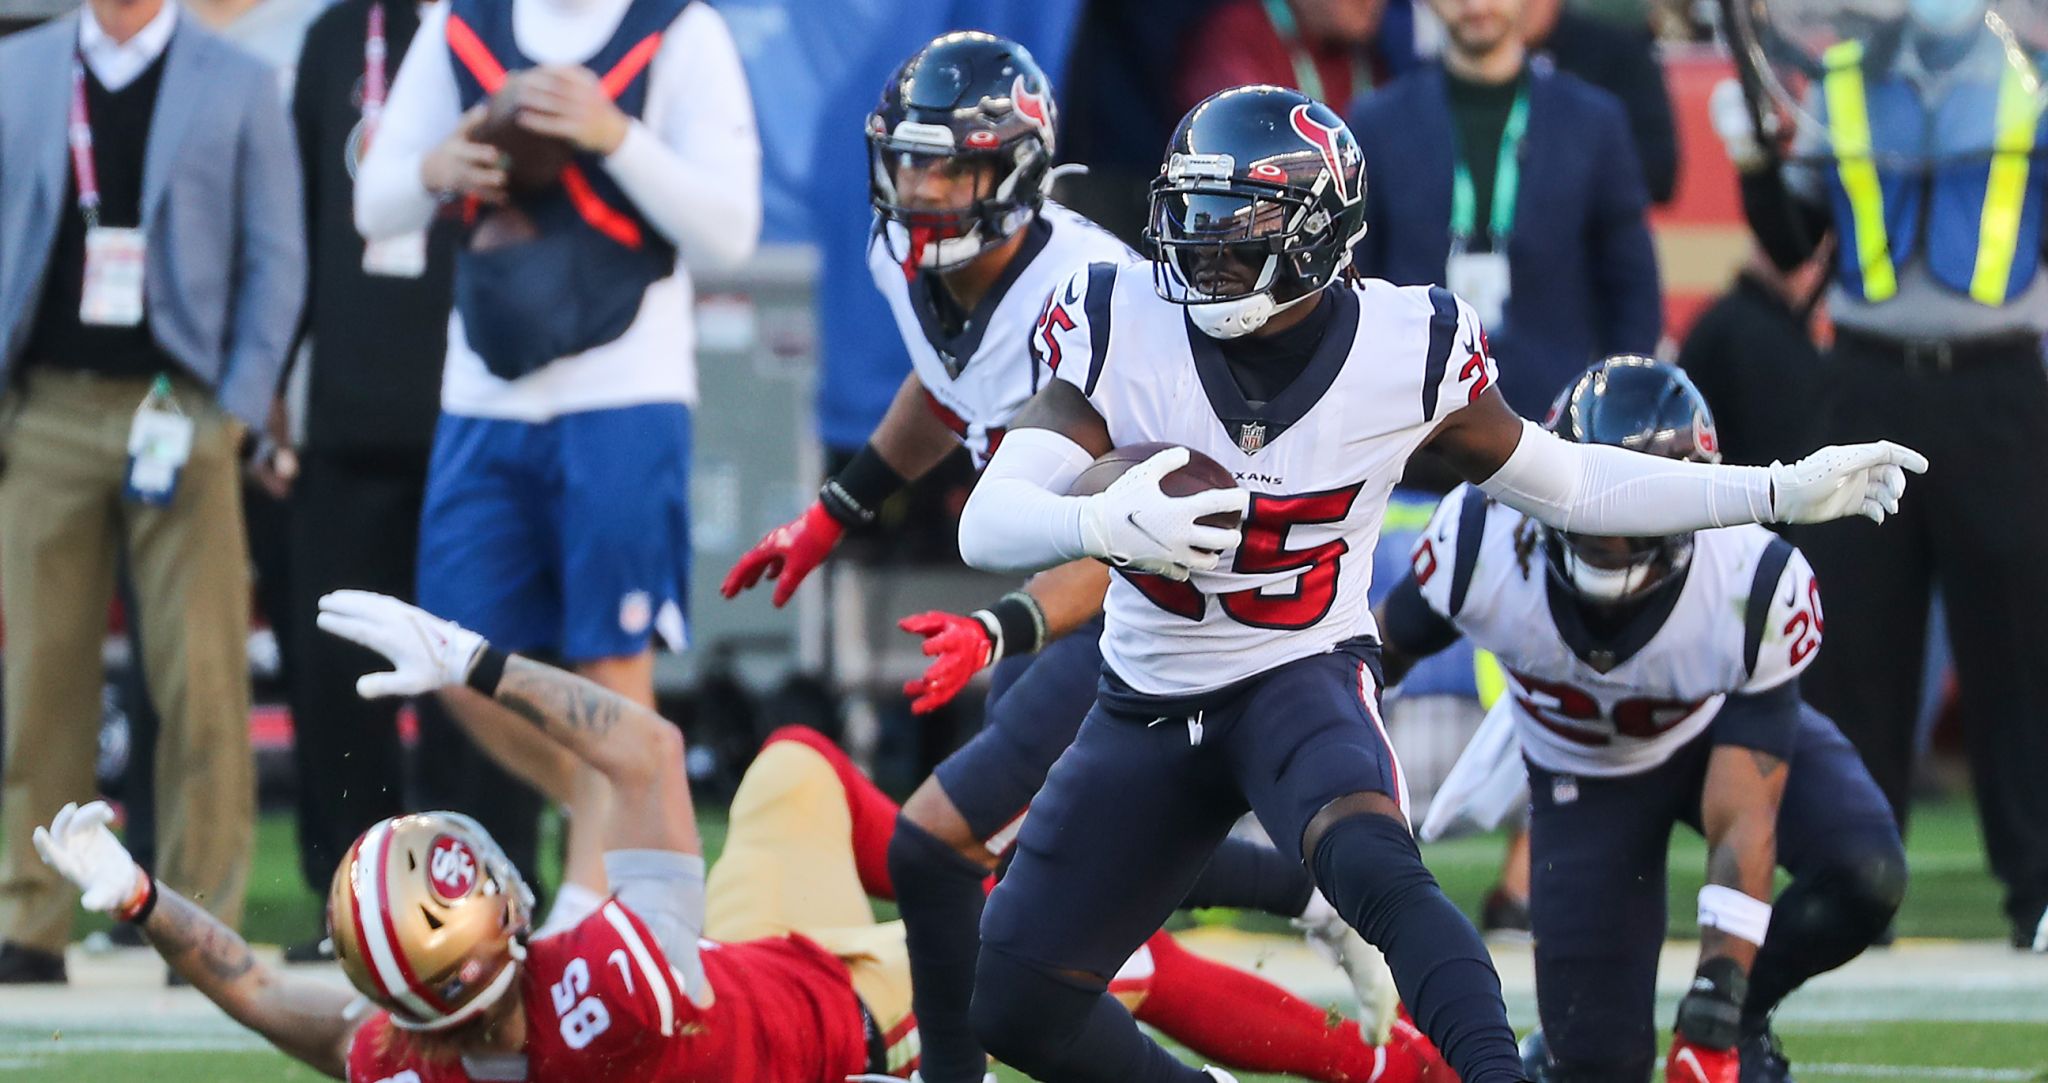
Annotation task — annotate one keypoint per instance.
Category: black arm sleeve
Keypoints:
(1766, 721)
(1412, 627)
(1788, 228)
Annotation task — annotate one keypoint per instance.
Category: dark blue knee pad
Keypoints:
(1832, 910)
(1023, 1014)
(1050, 1025)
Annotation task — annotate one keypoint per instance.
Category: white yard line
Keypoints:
(1890, 1071)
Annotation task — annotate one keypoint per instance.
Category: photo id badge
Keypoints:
(397, 257)
(113, 277)
(1481, 278)
(159, 443)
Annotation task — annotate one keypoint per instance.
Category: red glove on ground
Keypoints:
(787, 554)
(959, 647)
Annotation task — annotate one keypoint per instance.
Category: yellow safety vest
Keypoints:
(2018, 119)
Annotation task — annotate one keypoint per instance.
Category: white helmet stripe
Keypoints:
(370, 901)
(641, 958)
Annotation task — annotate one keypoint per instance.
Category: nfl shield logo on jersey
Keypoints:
(1251, 436)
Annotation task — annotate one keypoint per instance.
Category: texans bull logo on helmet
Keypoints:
(1339, 155)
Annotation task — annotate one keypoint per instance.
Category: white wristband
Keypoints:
(1734, 913)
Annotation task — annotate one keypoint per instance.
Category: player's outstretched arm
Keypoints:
(303, 1017)
(636, 750)
(905, 446)
(1018, 519)
(1054, 602)
(1608, 490)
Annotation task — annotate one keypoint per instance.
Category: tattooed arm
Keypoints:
(308, 1019)
(1739, 814)
(305, 1018)
(639, 752)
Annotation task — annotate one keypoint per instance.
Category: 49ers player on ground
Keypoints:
(773, 970)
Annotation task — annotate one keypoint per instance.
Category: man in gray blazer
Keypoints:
(152, 270)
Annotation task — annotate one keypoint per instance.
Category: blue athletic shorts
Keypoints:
(570, 536)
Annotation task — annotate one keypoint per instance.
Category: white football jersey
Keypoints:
(1319, 461)
(1746, 618)
(977, 380)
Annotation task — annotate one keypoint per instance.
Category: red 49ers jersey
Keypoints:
(977, 380)
(1319, 460)
(1745, 618)
(603, 1006)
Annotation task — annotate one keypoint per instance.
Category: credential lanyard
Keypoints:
(1306, 78)
(80, 138)
(1507, 180)
(375, 78)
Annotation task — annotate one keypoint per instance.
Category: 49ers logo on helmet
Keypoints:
(1323, 137)
(451, 868)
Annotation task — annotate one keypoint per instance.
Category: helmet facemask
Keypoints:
(1235, 250)
(1610, 571)
(1008, 192)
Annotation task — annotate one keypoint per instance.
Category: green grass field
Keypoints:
(1951, 897)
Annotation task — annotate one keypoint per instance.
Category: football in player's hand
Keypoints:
(534, 161)
(1201, 474)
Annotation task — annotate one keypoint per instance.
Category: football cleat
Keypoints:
(1763, 1059)
(429, 919)
(1218, 1074)
(1690, 1063)
(1333, 939)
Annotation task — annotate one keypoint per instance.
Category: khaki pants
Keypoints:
(63, 523)
(788, 867)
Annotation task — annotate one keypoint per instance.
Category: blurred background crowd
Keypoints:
(1566, 165)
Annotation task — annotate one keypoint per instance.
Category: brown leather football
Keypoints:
(534, 161)
(1201, 474)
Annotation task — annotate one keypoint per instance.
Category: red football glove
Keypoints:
(959, 647)
(1689, 1063)
(789, 552)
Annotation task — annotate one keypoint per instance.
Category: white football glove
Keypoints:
(426, 653)
(1728, 110)
(1843, 480)
(80, 847)
(1338, 944)
(1133, 524)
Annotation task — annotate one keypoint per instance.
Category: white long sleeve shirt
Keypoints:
(691, 163)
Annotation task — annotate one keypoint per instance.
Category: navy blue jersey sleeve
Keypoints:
(1767, 721)
(1412, 627)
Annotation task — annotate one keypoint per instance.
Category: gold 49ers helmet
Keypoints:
(429, 918)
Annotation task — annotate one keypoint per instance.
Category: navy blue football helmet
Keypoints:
(1643, 405)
